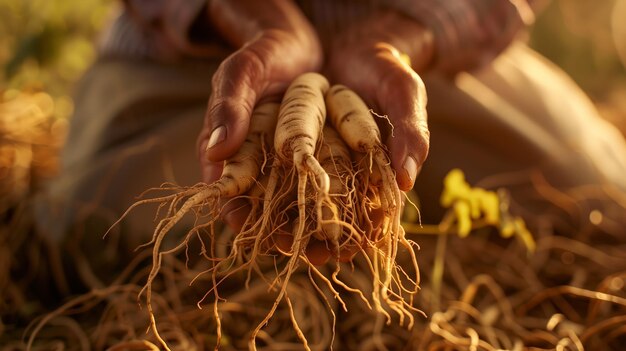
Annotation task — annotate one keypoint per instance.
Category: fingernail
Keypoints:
(217, 136)
(410, 167)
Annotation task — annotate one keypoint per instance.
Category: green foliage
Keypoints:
(47, 44)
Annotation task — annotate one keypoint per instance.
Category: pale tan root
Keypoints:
(249, 243)
(239, 175)
(300, 122)
(298, 248)
(354, 122)
(334, 157)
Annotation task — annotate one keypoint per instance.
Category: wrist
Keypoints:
(412, 39)
(240, 22)
(390, 30)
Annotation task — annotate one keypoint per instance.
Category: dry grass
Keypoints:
(569, 295)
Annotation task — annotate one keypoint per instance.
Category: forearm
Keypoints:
(199, 27)
(469, 33)
(243, 21)
(394, 30)
(240, 21)
(464, 33)
(167, 23)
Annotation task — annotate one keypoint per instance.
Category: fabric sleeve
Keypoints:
(469, 33)
(167, 26)
(172, 17)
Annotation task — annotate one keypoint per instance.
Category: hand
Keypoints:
(369, 57)
(275, 44)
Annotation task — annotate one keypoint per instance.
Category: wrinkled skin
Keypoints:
(367, 57)
(276, 44)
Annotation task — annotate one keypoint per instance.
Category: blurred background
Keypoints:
(45, 46)
(587, 39)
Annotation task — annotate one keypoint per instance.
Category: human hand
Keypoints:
(275, 45)
(367, 59)
(370, 57)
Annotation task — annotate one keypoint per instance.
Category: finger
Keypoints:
(317, 252)
(235, 212)
(236, 84)
(403, 99)
(400, 94)
(210, 171)
(259, 71)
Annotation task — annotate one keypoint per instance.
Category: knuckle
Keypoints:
(227, 110)
(302, 49)
(245, 66)
(250, 61)
(215, 111)
(415, 129)
(273, 38)
(403, 83)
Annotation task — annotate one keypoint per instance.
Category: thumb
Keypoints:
(403, 98)
(391, 85)
(236, 86)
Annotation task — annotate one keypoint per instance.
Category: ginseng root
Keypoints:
(352, 119)
(239, 174)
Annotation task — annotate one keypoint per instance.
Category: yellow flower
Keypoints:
(471, 204)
